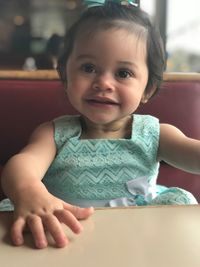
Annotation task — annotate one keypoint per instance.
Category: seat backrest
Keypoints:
(177, 103)
(27, 102)
(24, 104)
(29, 99)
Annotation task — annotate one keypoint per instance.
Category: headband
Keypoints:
(93, 3)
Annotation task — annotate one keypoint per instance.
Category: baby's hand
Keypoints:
(46, 212)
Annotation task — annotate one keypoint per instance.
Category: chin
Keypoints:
(100, 119)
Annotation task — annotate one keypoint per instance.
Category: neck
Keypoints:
(115, 130)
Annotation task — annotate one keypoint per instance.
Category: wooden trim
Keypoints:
(181, 76)
(53, 75)
(28, 75)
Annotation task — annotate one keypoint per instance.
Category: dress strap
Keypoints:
(65, 128)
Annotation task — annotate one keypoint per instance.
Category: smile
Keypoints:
(101, 101)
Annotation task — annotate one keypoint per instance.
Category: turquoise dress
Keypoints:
(108, 172)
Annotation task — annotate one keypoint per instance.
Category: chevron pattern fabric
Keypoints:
(99, 169)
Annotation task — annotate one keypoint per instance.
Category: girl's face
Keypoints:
(107, 75)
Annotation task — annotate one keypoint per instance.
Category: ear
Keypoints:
(148, 94)
(144, 99)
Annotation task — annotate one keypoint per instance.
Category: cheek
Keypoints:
(72, 97)
(131, 101)
(71, 73)
(132, 98)
(75, 90)
(75, 79)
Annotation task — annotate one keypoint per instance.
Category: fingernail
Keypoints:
(79, 229)
(41, 244)
(62, 243)
(18, 241)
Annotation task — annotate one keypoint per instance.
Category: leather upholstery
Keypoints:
(24, 104)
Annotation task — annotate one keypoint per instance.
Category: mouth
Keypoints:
(102, 101)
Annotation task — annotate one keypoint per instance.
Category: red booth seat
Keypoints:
(28, 99)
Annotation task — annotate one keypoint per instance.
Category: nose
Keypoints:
(104, 82)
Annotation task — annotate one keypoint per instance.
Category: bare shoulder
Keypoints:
(42, 140)
(168, 131)
(177, 149)
(171, 138)
(45, 130)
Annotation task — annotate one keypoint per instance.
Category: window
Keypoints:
(182, 32)
(27, 25)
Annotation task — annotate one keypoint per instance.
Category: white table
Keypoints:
(128, 237)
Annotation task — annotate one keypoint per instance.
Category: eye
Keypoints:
(88, 68)
(124, 73)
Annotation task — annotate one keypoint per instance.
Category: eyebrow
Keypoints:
(86, 56)
(129, 63)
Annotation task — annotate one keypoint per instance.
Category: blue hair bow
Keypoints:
(92, 3)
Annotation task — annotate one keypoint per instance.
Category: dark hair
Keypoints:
(112, 15)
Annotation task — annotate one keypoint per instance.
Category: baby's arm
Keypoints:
(178, 150)
(35, 207)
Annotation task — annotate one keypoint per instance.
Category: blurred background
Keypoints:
(31, 31)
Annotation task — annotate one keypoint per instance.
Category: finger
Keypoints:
(35, 225)
(78, 212)
(55, 229)
(17, 232)
(66, 217)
